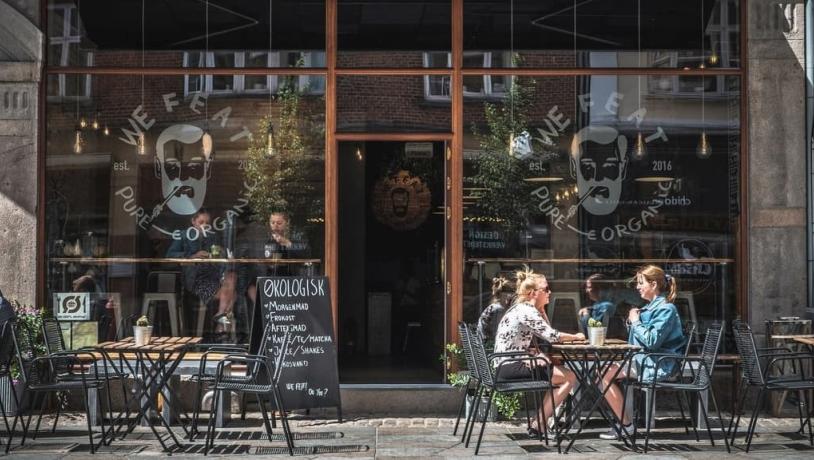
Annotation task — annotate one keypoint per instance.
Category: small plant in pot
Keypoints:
(142, 331)
(596, 332)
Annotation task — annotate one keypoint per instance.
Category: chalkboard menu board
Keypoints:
(302, 306)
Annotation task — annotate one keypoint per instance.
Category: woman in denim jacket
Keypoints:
(656, 328)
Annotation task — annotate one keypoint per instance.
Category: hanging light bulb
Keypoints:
(271, 149)
(206, 144)
(141, 144)
(704, 149)
(106, 131)
(359, 154)
(83, 123)
(640, 147)
(78, 140)
(714, 58)
(95, 123)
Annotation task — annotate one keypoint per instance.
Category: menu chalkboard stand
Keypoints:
(301, 305)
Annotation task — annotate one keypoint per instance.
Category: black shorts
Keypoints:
(518, 370)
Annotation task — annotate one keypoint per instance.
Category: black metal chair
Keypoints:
(206, 378)
(700, 382)
(261, 379)
(55, 345)
(6, 357)
(689, 329)
(57, 372)
(490, 385)
(471, 378)
(759, 375)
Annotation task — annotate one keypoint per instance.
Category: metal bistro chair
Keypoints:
(490, 385)
(472, 378)
(262, 378)
(637, 384)
(6, 356)
(758, 375)
(204, 377)
(49, 374)
(700, 368)
(55, 345)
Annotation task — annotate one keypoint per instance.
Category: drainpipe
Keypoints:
(809, 68)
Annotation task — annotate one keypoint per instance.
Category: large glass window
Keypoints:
(121, 34)
(143, 217)
(605, 33)
(374, 33)
(578, 176)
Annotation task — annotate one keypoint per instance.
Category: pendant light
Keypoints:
(78, 135)
(141, 142)
(95, 123)
(514, 146)
(640, 146)
(703, 150)
(206, 139)
(271, 149)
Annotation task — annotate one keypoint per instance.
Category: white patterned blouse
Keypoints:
(520, 323)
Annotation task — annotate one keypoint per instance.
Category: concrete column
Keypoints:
(776, 161)
(21, 56)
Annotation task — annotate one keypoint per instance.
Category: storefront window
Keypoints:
(601, 178)
(605, 33)
(375, 33)
(393, 104)
(121, 34)
(142, 217)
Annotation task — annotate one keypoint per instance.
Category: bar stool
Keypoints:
(165, 293)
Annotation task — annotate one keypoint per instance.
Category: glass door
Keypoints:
(391, 249)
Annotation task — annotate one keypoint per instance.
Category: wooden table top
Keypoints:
(157, 344)
(610, 344)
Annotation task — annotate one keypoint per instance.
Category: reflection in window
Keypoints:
(231, 84)
(436, 87)
(64, 50)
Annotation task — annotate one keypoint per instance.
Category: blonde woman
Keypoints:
(524, 320)
(656, 328)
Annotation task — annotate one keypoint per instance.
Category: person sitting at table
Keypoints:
(207, 281)
(656, 328)
(503, 292)
(281, 243)
(523, 321)
(603, 308)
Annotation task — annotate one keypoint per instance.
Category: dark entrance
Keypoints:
(391, 248)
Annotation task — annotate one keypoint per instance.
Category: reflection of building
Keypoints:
(394, 80)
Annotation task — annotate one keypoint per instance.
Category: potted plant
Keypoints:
(142, 331)
(505, 404)
(596, 332)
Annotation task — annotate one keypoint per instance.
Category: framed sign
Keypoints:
(72, 306)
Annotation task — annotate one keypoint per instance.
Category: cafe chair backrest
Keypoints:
(745, 342)
(480, 359)
(709, 354)
(25, 353)
(465, 331)
(6, 347)
(52, 333)
(689, 333)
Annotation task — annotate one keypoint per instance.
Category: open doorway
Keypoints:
(391, 248)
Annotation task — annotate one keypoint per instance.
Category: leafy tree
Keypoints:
(289, 180)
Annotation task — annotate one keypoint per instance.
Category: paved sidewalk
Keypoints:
(404, 437)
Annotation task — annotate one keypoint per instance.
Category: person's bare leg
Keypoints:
(566, 380)
(226, 297)
(614, 396)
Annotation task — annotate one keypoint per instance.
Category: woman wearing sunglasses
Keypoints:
(522, 322)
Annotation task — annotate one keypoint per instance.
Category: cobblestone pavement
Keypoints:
(405, 437)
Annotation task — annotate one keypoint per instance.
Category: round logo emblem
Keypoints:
(401, 201)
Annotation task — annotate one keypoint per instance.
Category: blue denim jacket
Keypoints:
(657, 331)
(603, 311)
